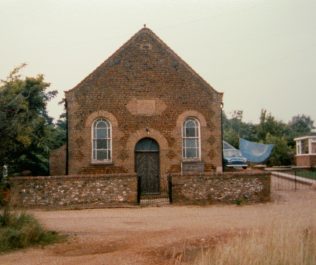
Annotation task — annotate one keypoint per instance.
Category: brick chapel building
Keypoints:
(145, 111)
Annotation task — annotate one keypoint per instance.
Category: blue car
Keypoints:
(233, 157)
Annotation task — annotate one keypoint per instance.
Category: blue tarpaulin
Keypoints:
(255, 152)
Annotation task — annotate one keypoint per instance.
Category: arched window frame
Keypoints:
(101, 147)
(186, 154)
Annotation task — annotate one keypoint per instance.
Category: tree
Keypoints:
(235, 128)
(27, 133)
(300, 125)
(269, 125)
(231, 134)
(269, 131)
(282, 153)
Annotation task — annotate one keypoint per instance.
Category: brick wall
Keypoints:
(221, 188)
(57, 161)
(306, 160)
(144, 90)
(80, 191)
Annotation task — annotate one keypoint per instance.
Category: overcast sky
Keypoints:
(260, 53)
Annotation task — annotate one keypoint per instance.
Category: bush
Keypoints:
(4, 192)
(20, 230)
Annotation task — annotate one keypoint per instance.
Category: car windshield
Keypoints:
(231, 152)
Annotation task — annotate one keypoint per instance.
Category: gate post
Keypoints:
(139, 188)
(170, 188)
(295, 178)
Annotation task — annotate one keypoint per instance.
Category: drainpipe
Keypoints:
(222, 137)
(67, 151)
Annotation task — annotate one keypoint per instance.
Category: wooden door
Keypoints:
(147, 167)
(147, 164)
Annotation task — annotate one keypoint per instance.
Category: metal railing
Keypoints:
(291, 179)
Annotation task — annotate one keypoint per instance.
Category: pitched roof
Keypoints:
(311, 135)
(146, 30)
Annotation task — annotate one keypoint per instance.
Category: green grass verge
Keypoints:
(21, 230)
(311, 174)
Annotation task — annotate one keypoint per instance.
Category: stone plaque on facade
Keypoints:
(192, 167)
(146, 107)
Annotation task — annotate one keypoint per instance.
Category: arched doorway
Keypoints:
(147, 165)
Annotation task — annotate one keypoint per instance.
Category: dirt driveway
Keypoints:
(155, 235)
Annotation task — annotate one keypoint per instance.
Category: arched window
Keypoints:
(101, 141)
(191, 139)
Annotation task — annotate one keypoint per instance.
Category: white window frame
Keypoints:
(311, 142)
(299, 145)
(198, 137)
(108, 139)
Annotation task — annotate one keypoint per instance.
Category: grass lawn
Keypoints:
(311, 174)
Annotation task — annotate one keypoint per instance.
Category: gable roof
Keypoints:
(146, 30)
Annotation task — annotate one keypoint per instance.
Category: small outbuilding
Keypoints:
(306, 151)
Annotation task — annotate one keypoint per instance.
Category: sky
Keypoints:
(260, 53)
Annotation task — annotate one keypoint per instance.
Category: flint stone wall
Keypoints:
(82, 191)
(221, 188)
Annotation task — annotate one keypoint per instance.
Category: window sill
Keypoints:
(191, 160)
(101, 163)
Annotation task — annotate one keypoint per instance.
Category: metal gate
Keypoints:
(288, 180)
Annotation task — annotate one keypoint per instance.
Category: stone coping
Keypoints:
(78, 176)
(288, 168)
(224, 174)
(127, 175)
(295, 178)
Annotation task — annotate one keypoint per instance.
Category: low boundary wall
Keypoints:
(114, 190)
(81, 191)
(248, 187)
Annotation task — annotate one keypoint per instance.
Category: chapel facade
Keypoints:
(145, 111)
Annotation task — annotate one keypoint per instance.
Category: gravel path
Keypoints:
(155, 235)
